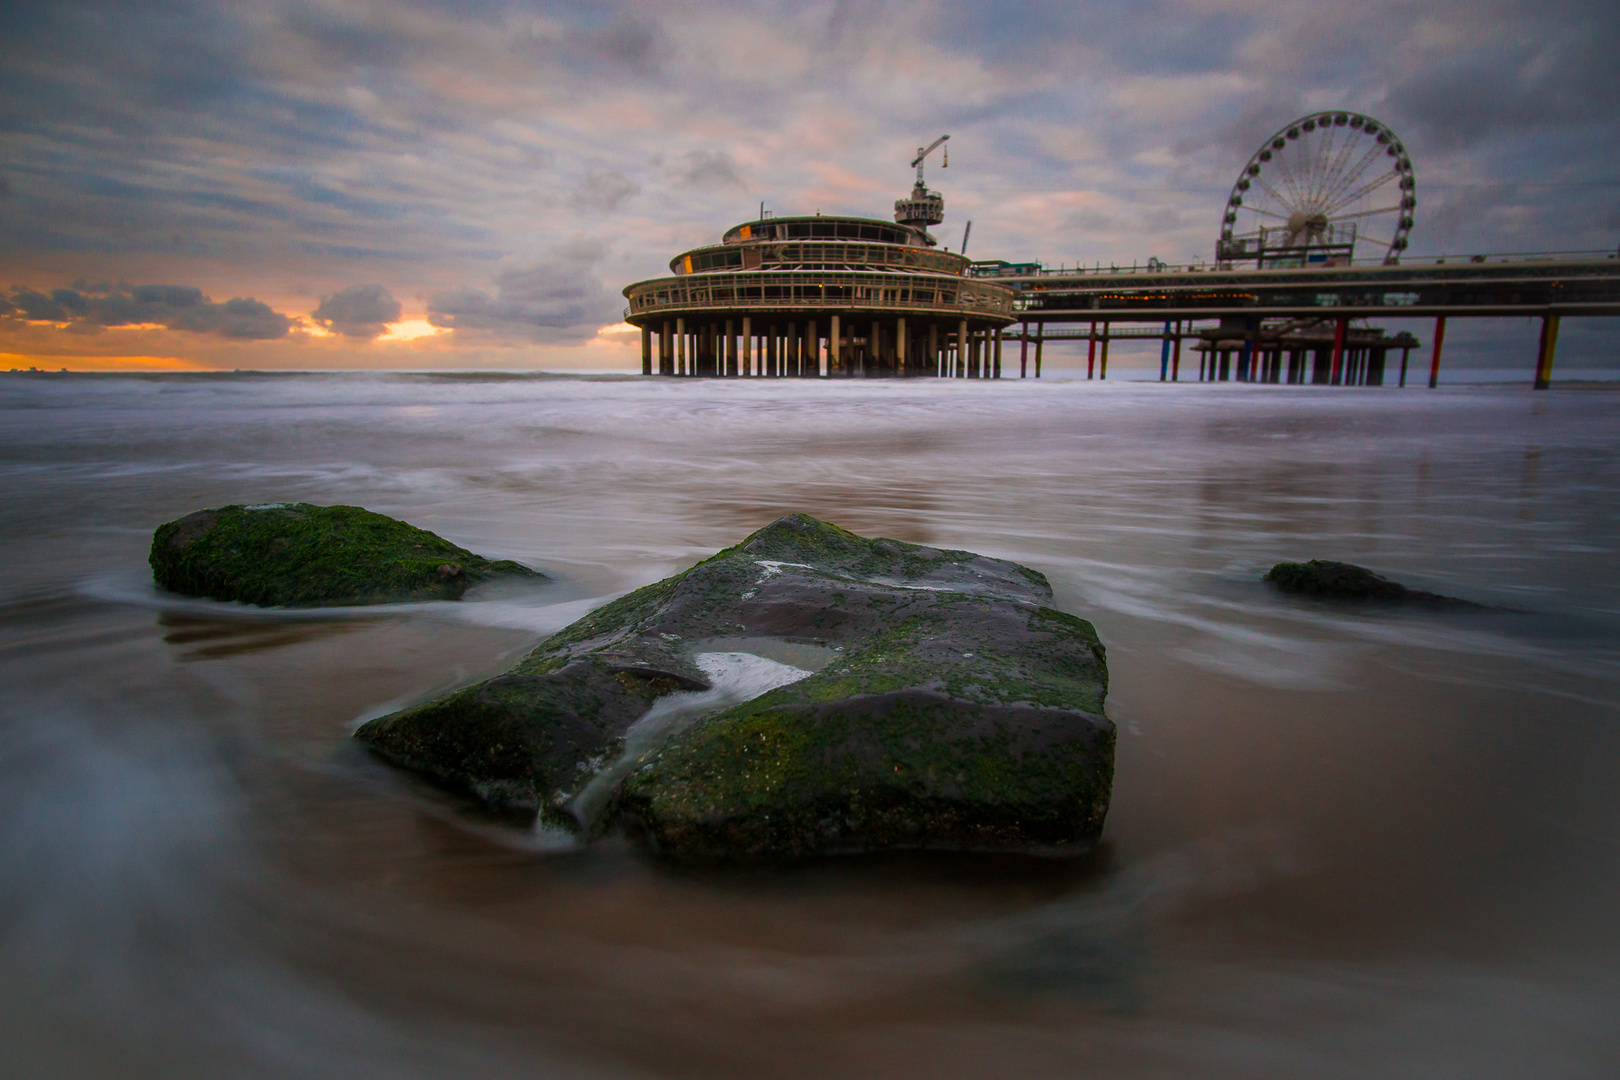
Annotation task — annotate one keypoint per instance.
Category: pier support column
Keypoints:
(682, 352)
(832, 347)
(666, 350)
(1175, 357)
(935, 361)
(1549, 345)
(812, 356)
(1023, 351)
(900, 347)
(1406, 354)
(646, 350)
(1103, 366)
(1164, 354)
(1040, 339)
(1091, 351)
(961, 349)
(997, 374)
(1434, 358)
(1336, 376)
(746, 358)
(728, 352)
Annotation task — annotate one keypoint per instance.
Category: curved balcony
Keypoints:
(836, 255)
(767, 291)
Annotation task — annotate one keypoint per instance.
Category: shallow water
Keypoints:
(1343, 842)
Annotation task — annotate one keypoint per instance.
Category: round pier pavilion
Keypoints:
(813, 297)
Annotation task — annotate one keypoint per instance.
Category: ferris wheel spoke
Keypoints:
(1286, 169)
(1363, 191)
(1335, 177)
(1356, 173)
(1297, 184)
(1319, 165)
(1327, 166)
(1270, 190)
(1368, 213)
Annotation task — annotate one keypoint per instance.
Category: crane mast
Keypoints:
(923, 152)
(923, 208)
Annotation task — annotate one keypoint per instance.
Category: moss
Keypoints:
(904, 769)
(300, 555)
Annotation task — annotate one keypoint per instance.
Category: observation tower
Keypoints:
(824, 297)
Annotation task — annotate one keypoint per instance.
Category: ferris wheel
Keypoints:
(1316, 189)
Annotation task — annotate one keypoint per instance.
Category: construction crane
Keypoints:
(924, 207)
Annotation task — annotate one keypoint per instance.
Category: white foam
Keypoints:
(736, 677)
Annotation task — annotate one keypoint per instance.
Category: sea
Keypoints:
(1344, 841)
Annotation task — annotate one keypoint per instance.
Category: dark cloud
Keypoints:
(557, 300)
(5, 187)
(175, 307)
(605, 191)
(360, 311)
(708, 169)
(633, 40)
(1513, 85)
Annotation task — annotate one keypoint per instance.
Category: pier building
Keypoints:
(824, 296)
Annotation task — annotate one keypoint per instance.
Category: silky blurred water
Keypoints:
(1343, 842)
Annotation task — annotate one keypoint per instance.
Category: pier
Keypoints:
(1286, 299)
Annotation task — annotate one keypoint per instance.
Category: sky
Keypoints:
(468, 185)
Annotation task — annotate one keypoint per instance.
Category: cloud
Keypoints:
(632, 40)
(1511, 85)
(555, 300)
(426, 143)
(708, 169)
(359, 311)
(605, 191)
(175, 307)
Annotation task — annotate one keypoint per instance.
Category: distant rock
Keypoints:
(1345, 581)
(955, 708)
(300, 555)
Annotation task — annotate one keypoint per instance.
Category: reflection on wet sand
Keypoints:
(204, 638)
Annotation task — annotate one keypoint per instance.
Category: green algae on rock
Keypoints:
(301, 555)
(1328, 580)
(961, 711)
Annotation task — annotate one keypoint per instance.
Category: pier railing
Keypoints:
(1002, 271)
(772, 291)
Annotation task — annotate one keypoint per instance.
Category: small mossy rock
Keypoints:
(1345, 581)
(964, 711)
(301, 555)
(1334, 580)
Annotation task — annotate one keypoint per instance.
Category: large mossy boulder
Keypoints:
(958, 709)
(300, 555)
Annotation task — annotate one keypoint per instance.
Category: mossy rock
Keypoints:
(1328, 580)
(962, 711)
(300, 555)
